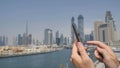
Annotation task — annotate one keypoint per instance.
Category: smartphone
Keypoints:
(76, 32)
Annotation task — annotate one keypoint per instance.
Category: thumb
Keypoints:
(96, 53)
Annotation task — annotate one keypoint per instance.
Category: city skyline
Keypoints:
(53, 15)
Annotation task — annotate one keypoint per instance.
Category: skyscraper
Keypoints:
(48, 37)
(61, 40)
(72, 32)
(109, 20)
(57, 38)
(89, 37)
(25, 39)
(65, 40)
(20, 39)
(96, 30)
(81, 27)
(105, 32)
(30, 39)
(4, 40)
(1, 40)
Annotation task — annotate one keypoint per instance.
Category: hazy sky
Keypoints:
(54, 14)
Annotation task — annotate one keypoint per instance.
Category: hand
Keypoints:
(105, 54)
(81, 59)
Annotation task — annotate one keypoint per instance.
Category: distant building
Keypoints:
(105, 32)
(109, 20)
(20, 39)
(61, 40)
(96, 30)
(48, 37)
(25, 39)
(57, 38)
(81, 27)
(65, 41)
(92, 36)
(3, 40)
(30, 39)
(89, 37)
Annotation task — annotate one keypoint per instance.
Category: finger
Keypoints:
(75, 56)
(102, 45)
(97, 43)
(88, 53)
(74, 49)
(96, 53)
(81, 49)
(103, 53)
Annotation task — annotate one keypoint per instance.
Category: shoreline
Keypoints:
(7, 52)
(11, 56)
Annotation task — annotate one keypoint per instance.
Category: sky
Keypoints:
(53, 14)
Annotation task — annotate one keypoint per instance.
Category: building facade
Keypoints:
(81, 27)
(105, 32)
(57, 38)
(48, 37)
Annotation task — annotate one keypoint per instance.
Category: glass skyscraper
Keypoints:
(81, 27)
(57, 38)
(48, 37)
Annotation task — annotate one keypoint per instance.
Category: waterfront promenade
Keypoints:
(10, 51)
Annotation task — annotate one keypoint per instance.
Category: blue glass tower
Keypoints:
(81, 27)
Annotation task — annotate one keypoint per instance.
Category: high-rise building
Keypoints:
(81, 27)
(72, 32)
(89, 37)
(109, 20)
(30, 39)
(65, 40)
(48, 37)
(25, 39)
(92, 35)
(57, 38)
(96, 30)
(1, 40)
(105, 32)
(61, 40)
(20, 39)
(101, 31)
(4, 41)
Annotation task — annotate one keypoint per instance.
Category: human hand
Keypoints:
(81, 60)
(105, 54)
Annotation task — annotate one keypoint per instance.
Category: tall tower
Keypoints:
(48, 37)
(57, 38)
(25, 35)
(96, 30)
(109, 20)
(81, 27)
(61, 40)
(72, 32)
(105, 32)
